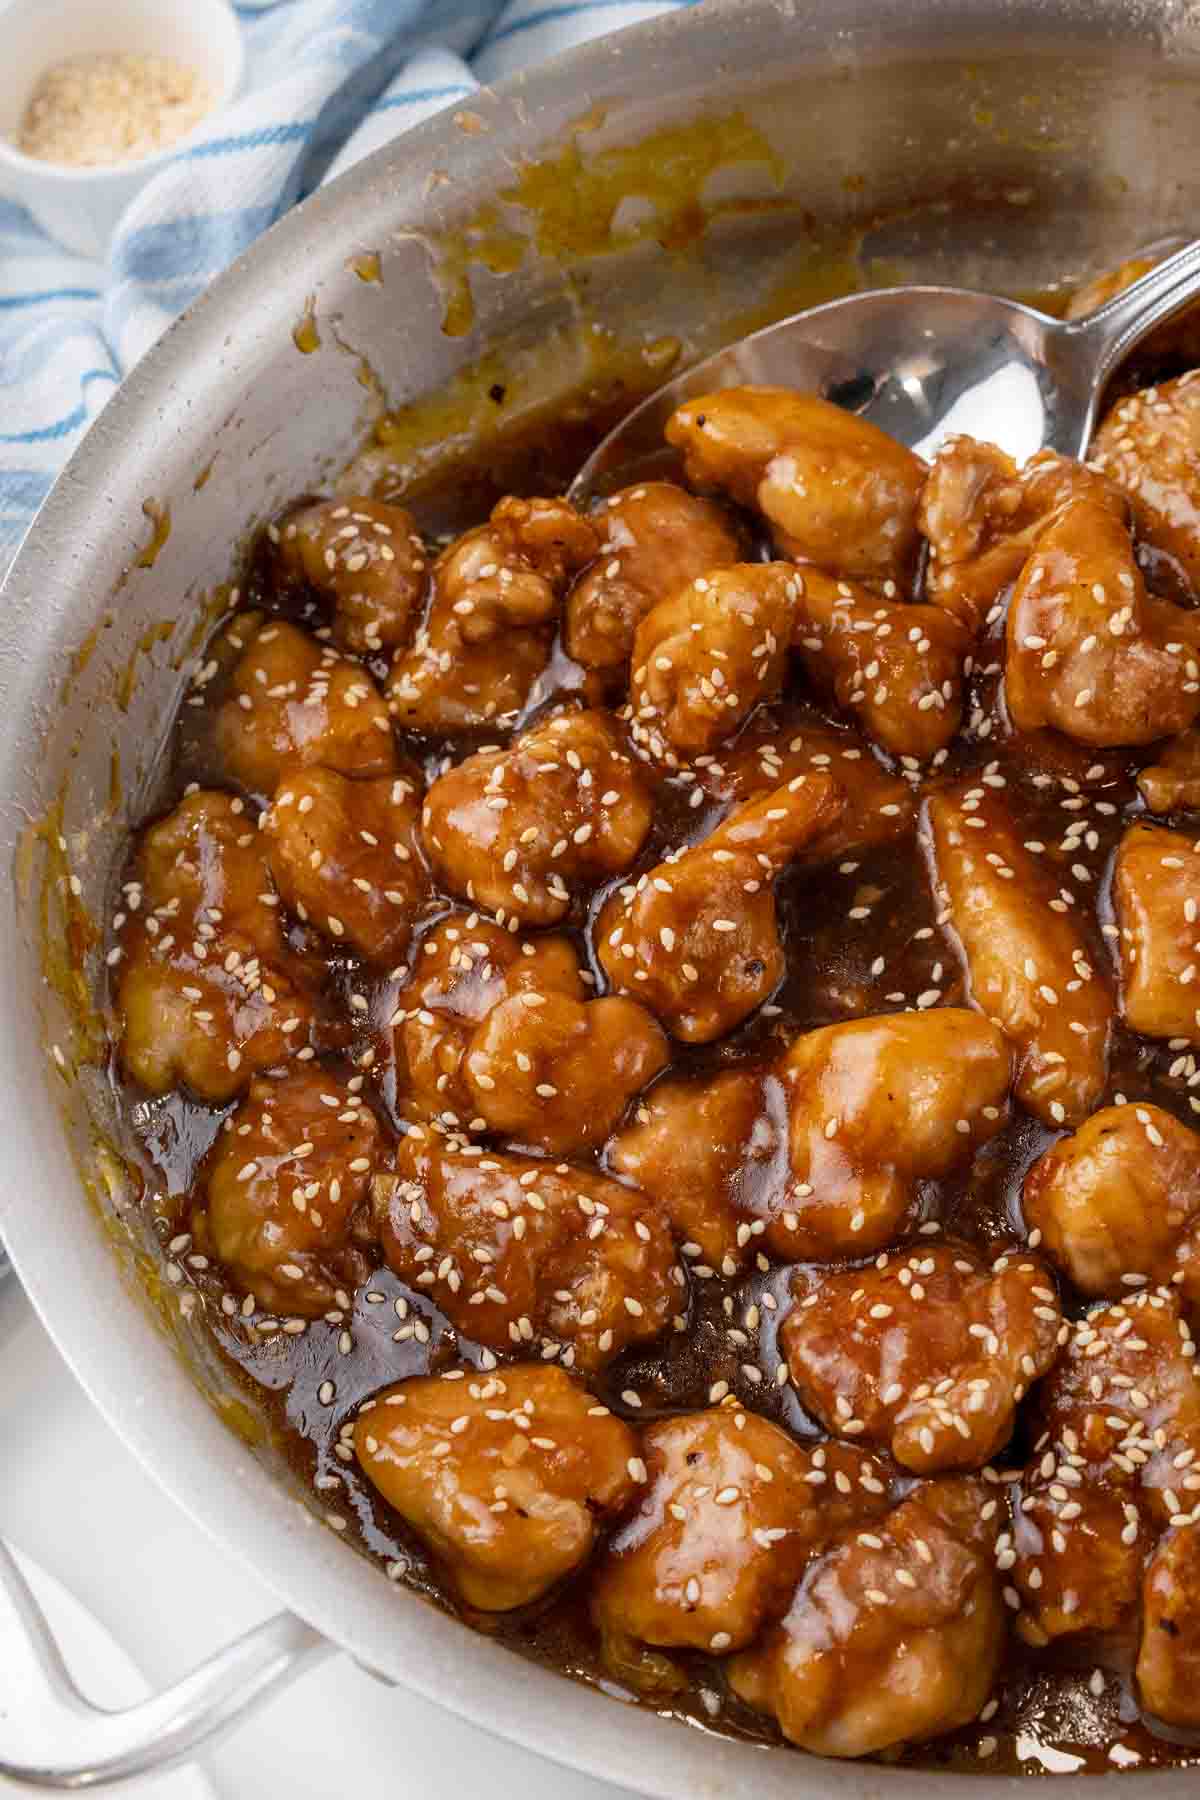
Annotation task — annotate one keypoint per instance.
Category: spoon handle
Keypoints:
(1107, 335)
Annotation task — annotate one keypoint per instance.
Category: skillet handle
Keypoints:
(52, 1737)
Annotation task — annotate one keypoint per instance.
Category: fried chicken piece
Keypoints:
(835, 489)
(732, 1511)
(208, 991)
(1149, 445)
(506, 1477)
(1027, 964)
(1171, 783)
(778, 745)
(982, 517)
(1168, 1664)
(516, 1250)
(346, 855)
(876, 1106)
(1120, 1197)
(496, 597)
(1116, 1462)
(704, 658)
(713, 1154)
(284, 1178)
(1156, 880)
(466, 966)
(926, 1353)
(362, 556)
(556, 1074)
(519, 830)
(294, 704)
(1088, 650)
(696, 939)
(894, 1635)
(899, 667)
(656, 537)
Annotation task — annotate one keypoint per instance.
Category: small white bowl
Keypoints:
(80, 206)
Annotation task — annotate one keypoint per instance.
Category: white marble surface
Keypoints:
(76, 1501)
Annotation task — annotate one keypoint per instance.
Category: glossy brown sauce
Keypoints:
(1047, 1717)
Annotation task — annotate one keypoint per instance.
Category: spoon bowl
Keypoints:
(922, 363)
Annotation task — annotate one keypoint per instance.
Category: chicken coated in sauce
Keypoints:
(289, 1169)
(1089, 650)
(508, 1476)
(465, 966)
(656, 537)
(1156, 896)
(713, 1153)
(897, 667)
(557, 1074)
(1168, 1662)
(1171, 783)
(833, 488)
(1118, 1201)
(706, 656)
(1149, 445)
(517, 831)
(926, 1354)
(1118, 1460)
(894, 1634)
(982, 516)
(365, 559)
(495, 600)
(732, 1510)
(779, 744)
(1027, 962)
(296, 703)
(696, 939)
(208, 991)
(875, 1107)
(346, 857)
(519, 1251)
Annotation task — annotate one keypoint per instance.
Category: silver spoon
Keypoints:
(923, 363)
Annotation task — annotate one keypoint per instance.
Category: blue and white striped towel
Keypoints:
(326, 82)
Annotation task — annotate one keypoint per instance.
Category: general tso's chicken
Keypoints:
(496, 598)
(287, 1173)
(346, 855)
(1027, 964)
(294, 704)
(208, 992)
(548, 1071)
(1168, 1664)
(895, 1634)
(875, 1107)
(981, 518)
(1171, 783)
(926, 1353)
(704, 658)
(697, 939)
(506, 1477)
(655, 538)
(778, 745)
(517, 1251)
(835, 489)
(1119, 1201)
(713, 1154)
(1149, 444)
(1089, 651)
(466, 966)
(519, 830)
(897, 667)
(365, 558)
(732, 1511)
(1118, 1460)
(1156, 892)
